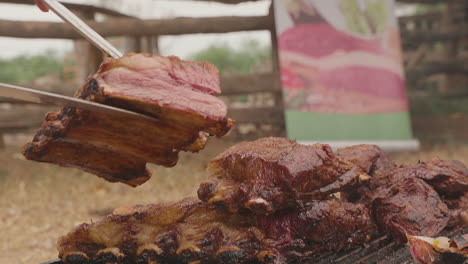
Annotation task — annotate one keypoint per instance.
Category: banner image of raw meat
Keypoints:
(341, 69)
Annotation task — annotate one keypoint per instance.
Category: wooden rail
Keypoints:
(20, 119)
(247, 84)
(263, 115)
(419, 37)
(135, 27)
(429, 68)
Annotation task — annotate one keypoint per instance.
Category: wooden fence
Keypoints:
(436, 62)
(420, 36)
(436, 48)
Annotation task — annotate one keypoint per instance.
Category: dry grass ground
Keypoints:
(40, 202)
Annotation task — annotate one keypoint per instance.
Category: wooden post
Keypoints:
(92, 57)
(280, 130)
(155, 40)
(452, 81)
(149, 44)
(95, 58)
(2, 141)
(138, 44)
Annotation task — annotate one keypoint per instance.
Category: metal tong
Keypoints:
(80, 26)
(35, 96)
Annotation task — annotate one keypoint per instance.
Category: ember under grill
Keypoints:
(382, 250)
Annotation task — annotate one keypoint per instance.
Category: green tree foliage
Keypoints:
(27, 68)
(369, 20)
(426, 8)
(229, 60)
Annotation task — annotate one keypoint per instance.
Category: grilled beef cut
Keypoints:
(270, 174)
(269, 201)
(370, 158)
(373, 161)
(418, 199)
(180, 94)
(190, 231)
(448, 177)
(409, 206)
(458, 210)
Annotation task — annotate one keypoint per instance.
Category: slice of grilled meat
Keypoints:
(180, 94)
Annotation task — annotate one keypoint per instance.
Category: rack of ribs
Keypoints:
(190, 231)
(179, 94)
(402, 202)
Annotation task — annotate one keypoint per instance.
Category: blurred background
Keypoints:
(39, 202)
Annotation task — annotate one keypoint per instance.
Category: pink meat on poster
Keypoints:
(340, 56)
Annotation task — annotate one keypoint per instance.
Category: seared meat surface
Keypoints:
(189, 231)
(458, 210)
(373, 161)
(270, 174)
(270, 201)
(435, 184)
(180, 94)
(370, 158)
(448, 177)
(409, 206)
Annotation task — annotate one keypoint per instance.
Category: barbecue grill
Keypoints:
(382, 250)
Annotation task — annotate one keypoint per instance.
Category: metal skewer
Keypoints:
(41, 97)
(87, 32)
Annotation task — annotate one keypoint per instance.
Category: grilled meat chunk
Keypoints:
(111, 165)
(180, 94)
(370, 158)
(270, 174)
(448, 177)
(409, 206)
(373, 161)
(458, 210)
(190, 231)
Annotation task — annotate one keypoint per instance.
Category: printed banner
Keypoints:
(341, 70)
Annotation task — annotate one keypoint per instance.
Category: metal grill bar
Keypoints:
(382, 250)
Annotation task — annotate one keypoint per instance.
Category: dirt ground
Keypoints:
(40, 202)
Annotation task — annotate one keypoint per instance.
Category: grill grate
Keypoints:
(382, 250)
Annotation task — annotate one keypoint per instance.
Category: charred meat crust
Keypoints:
(284, 227)
(409, 206)
(271, 174)
(178, 93)
(433, 184)
(370, 158)
(447, 177)
(190, 231)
